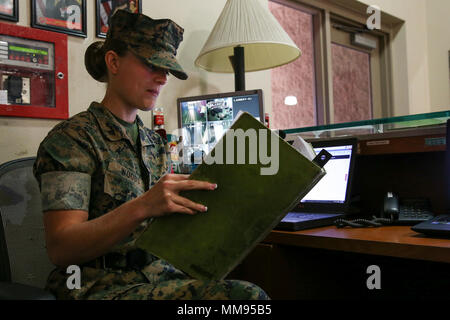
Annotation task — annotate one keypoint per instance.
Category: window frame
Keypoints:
(319, 66)
(324, 13)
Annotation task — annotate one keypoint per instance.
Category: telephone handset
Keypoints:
(391, 207)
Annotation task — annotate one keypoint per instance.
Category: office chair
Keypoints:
(24, 264)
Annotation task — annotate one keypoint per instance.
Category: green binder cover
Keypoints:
(242, 211)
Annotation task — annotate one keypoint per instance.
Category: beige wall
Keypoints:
(425, 36)
(438, 23)
(414, 35)
(197, 17)
(20, 137)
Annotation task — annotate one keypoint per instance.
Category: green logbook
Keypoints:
(260, 177)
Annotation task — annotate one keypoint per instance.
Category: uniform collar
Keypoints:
(112, 129)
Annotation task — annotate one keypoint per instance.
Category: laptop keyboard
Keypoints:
(445, 219)
(304, 216)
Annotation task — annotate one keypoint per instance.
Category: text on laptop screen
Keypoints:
(205, 120)
(332, 188)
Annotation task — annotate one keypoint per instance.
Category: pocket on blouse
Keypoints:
(120, 188)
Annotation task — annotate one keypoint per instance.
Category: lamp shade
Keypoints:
(248, 24)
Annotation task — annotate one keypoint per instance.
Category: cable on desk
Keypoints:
(363, 223)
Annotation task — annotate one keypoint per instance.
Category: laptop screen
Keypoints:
(333, 187)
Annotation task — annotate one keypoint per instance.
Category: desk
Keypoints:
(393, 241)
(328, 262)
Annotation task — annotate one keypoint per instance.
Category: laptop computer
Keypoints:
(330, 197)
(440, 225)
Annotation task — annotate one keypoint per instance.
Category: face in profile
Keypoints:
(138, 84)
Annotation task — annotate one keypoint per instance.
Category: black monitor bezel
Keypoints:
(222, 95)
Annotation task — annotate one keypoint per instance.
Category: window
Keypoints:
(352, 99)
(356, 73)
(335, 79)
(293, 85)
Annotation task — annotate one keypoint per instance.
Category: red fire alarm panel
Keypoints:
(33, 73)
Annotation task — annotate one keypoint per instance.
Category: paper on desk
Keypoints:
(305, 148)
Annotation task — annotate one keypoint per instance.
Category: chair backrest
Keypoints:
(23, 256)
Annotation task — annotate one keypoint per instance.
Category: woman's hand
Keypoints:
(163, 198)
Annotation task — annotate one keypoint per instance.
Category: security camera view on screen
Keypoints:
(205, 121)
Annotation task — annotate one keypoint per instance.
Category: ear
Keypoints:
(112, 61)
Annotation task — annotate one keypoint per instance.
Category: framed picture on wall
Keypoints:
(9, 10)
(65, 16)
(105, 9)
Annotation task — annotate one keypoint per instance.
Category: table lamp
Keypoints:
(245, 25)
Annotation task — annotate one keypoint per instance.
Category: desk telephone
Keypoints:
(406, 211)
(395, 211)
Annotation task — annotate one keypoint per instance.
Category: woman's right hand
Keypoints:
(163, 198)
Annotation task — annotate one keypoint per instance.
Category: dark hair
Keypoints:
(94, 57)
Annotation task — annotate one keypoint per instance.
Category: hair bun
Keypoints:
(94, 60)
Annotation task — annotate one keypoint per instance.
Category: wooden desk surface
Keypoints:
(394, 241)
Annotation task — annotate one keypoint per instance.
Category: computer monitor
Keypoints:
(204, 119)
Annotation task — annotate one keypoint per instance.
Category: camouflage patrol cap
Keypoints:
(155, 41)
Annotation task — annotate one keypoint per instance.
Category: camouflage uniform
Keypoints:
(90, 163)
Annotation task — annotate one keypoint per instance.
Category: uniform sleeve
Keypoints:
(63, 168)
